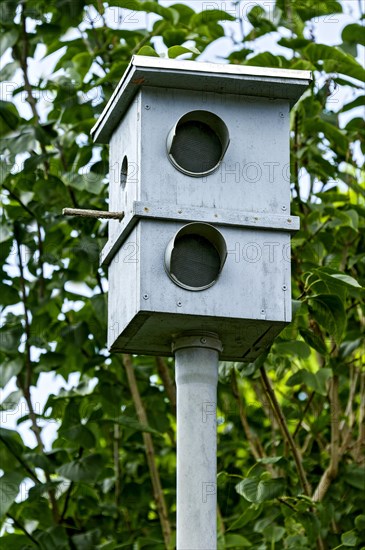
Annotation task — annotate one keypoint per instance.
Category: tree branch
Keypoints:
(331, 472)
(20, 460)
(167, 381)
(150, 452)
(23, 60)
(117, 469)
(252, 441)
(23, 529)
(25, 383)
(307, 405)
(285, 431)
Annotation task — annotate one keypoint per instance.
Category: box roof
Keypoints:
(191, 75)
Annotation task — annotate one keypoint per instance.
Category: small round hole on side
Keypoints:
(124, 172)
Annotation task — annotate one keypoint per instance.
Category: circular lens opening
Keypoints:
(197, 143)
(124, 173)
(195, 261)
(196, 147)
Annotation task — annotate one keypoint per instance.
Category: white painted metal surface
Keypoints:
(205, 77)
(248, 197)
(196, 367)
(248, 305)
(160, 211)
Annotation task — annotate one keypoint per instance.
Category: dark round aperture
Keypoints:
(195, 262)
(196, 147)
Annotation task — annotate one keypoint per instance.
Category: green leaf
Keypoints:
(8, 39)
(335, 60)
(294, 347)
(316, 381)
(82, 62)
(210, 16)
(313, 340)
(18, 542)
(8, 369)
(346, 280)
(147, 50)
(330, 313)
(273, 533)
(80, 435)
(175, 51)
(236, 541)
(266, 59)
(130, 422)
(256, 490)
(9, 118)
(85, 469)
(149, 7)
(360, 523)
(8, 295)
(9, 489)
(358, 102)
(355, 476)
(349, 538)
(354, 33)
(7, 71)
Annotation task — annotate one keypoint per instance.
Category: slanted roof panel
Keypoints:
(191, 75)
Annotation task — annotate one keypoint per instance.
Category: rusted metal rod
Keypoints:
(93, 213)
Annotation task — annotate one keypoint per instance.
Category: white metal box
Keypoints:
(246, 197)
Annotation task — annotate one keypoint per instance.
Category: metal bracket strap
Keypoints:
(258, 220)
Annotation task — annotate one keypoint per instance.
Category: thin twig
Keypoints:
(167, 381)
(101, 214)
(23, 529)
(331, 472)
(117, 468)
(21, 461)
(285, 430)
(150, 451)
(25, 383)
(307, 405)
(255, 449)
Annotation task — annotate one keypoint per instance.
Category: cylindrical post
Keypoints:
(196, 367)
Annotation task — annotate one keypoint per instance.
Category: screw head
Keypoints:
(203, 340)
(147, 107)
(283, 207)
(179, 304)
(284, 287)
(145, 296)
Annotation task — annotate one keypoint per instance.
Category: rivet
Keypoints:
(145, 296)
(283, 207)
(281, 115)
(203, 340)
(147, 107)
(262, 312)
(289, 220)
(179, 304)
(179, 211)
(284, 287)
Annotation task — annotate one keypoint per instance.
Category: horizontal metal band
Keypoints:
(158, 211)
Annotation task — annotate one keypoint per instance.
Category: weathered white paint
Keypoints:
(247, 198)
(188, 75)
(196, 367)
(248, 305)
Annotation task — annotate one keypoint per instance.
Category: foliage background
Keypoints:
(292, 424)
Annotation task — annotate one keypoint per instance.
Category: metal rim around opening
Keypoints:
(204, 247)
(197, 143)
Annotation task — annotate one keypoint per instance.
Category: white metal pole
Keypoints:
(196, 367)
